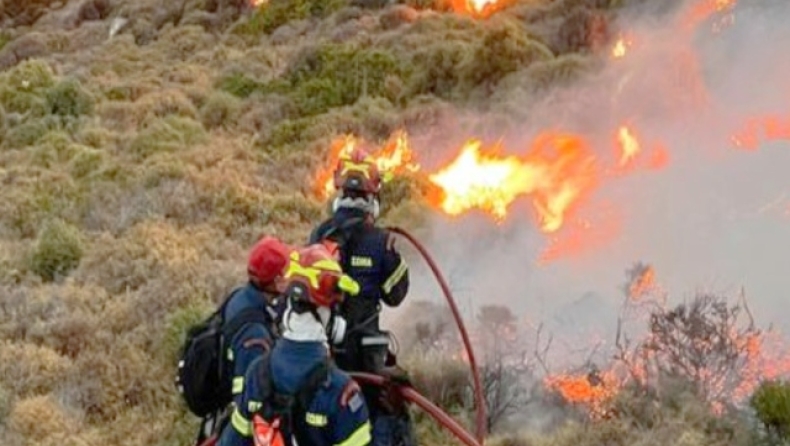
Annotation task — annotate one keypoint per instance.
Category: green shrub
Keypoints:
(26, 133)
(4, 39)
(177, 325)
(219, 110)
(85, 161)
(331, 75)
(168, 134)
(57, 251)
(276, 13)
(69, 98)
(771, 403)
(239, 84)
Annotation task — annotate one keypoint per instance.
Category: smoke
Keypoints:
(714, 218)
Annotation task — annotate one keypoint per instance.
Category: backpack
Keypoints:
(203, 377)
(278, 409)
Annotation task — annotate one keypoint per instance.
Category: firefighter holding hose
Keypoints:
(367, 253)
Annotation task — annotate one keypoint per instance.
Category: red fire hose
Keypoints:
(408, 394)
(479, 398)
(425, 404)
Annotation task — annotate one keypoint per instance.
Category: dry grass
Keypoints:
(136, 170)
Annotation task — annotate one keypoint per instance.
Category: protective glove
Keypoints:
(390, 398)
(396, 375)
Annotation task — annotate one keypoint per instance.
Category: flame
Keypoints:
(759, 130)
(705, 9)
(592, 390)
(393, 158)
(629, 145)
(477, 8)
(556, 173)
(622, 47)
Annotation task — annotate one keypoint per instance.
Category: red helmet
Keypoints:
(267, 260)
(357, 171)
(314, 275)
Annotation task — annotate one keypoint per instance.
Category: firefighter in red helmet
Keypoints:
(249, 318)
(368, 254)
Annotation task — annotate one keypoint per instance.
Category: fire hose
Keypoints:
(478, 388)
(408, 394)
(423, 403)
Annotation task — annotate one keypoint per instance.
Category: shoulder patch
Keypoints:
(355, 402)
(350, 394)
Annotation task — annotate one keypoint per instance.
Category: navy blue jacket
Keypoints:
(337, 415)
(252, 339)
(367, 254)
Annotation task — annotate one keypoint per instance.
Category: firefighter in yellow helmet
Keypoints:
(295, 394)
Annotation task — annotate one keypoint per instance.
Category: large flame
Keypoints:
(557, 172)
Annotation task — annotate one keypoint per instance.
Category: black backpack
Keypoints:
(203, 378)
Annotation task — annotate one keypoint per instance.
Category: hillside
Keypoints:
(145, 145)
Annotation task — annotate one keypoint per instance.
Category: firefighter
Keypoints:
(367, 253)
(295, 394)
(265, 267)
(250, 317)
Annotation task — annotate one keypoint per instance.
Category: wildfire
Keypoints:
(621, 47)
(759, 130)
(556, 173)
(629, 145)
(642, 283)
(592, 390)
(477, 8)
(705, 9)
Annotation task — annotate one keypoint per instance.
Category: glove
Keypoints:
(396, 375)
(390, 398)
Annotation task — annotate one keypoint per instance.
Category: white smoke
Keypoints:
(714, 218)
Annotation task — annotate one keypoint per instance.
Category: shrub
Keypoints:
(276, 13)
(332, 75)
(23, 88)
(57, 250)
(69, 98)
(169, 134)
(26, 420)
(220, 109)
(239, 84)
(177, 325)
(28, 369)
(85, 161)
(771, 403)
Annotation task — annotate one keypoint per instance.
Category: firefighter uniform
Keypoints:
(336, 416)
(367, 255)
(252, 339)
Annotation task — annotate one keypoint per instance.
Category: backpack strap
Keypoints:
(283, 404)
(244, 317)
(315, 379)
